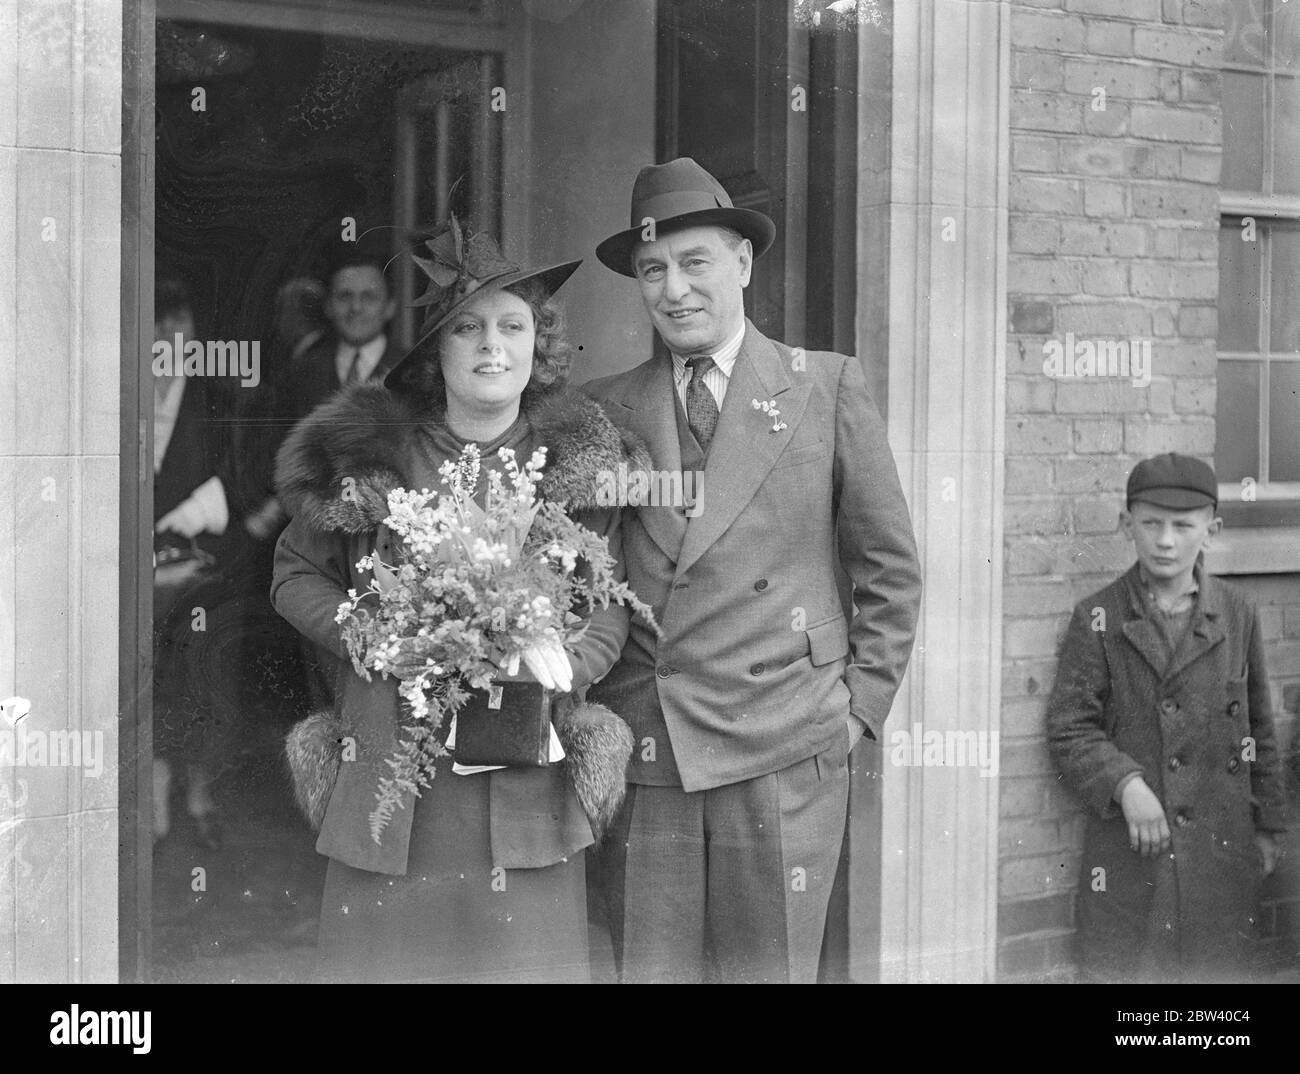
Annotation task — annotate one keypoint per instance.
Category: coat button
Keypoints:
(665, 671)
(1180, 819)
(1175, 764)
(761, 584)
(1168, 705)
(1233, 764)
(757, 669)
(1234, 708)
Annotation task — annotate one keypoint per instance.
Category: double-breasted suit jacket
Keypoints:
(759, 667)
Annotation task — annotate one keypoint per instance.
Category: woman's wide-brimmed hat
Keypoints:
(460, 265)
(676, 195)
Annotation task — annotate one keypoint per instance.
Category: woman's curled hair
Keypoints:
(552, 352)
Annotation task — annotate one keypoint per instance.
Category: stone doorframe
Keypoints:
(946, 393)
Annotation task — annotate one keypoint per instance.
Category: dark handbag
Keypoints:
(507, 724)
(178, 567)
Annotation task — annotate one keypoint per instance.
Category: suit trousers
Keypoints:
(729, 884)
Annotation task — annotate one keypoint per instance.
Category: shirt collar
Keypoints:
(724, 358)
(1181, 602)
(371, 354)
(168, 393)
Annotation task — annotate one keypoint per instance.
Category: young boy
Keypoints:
(1160, 721)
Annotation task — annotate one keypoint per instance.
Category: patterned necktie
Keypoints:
(701, 407)
(353, 369)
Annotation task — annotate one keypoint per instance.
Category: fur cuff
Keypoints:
(314, 750)
(597, 746)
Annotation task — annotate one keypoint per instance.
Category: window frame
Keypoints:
(1275, 503)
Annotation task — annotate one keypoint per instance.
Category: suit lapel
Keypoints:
(1144, 636)
(1141, 632)
(391, 356)
(647, 409)
(744, 445)
(1203, 633)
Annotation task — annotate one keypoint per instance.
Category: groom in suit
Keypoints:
(745, 710)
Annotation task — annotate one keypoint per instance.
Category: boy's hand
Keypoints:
(1148, 830)
(1268, 849)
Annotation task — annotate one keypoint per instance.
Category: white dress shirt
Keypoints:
(167, 395)
(208, 501)
(371, 355)
(717, 378)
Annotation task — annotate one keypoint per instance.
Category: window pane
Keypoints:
(1286, 36)
(1244, 39)
(1284, 310)
(1284, 421)
(1238, 289)
(1236, 454)
(1243, 131)
(1286, 136)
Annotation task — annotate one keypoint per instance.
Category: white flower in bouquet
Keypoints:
(475, 590)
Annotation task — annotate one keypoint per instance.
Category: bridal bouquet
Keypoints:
(475, 591)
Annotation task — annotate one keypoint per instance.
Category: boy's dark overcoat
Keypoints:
(1200, 731)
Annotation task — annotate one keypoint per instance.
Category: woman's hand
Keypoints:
(384, 578)
(407, 664)
(547, 664)
(550, 664)
(187, 519)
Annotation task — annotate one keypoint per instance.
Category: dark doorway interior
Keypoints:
(774, 116)
(267, 144)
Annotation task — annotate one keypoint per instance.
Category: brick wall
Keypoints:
(1115, 152)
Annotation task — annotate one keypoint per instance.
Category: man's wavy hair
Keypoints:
(552, 353)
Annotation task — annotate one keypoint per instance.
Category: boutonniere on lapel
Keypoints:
(769, 408)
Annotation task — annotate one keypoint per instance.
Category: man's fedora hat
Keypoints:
(461, 264)
(676, 195)
(1178, 482)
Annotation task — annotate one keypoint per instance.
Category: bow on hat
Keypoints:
(455, 261)
(460, 264)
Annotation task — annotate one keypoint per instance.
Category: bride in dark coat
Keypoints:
(482, 877)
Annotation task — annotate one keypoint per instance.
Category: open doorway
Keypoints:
(278, 156)
(305, 127)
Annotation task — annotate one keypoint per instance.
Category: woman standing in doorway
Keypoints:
(482, 877)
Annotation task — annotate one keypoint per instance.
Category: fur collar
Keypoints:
(337, 466)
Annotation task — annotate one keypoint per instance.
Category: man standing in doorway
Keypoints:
(357, 347)
(746, 709)
(354, 349)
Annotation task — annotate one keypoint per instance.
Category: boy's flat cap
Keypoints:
(1178, 482)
